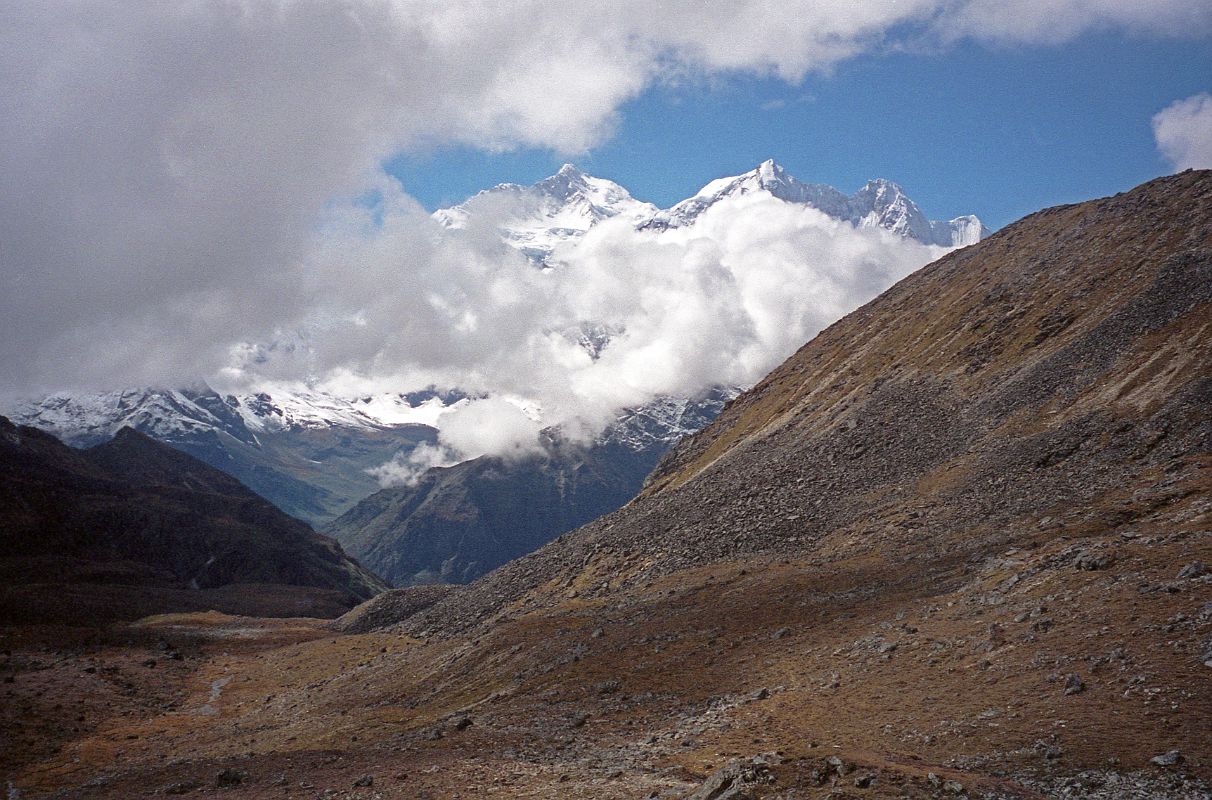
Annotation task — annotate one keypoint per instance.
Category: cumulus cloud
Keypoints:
(719, 302)
(172, 177)
(406, 468)
(1183, 132)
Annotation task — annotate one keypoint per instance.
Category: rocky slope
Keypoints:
(135, 513)
(390, 607)
(1062, 361)
(956, 545)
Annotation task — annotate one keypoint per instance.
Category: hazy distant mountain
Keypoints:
(459, 522)
(307, 452)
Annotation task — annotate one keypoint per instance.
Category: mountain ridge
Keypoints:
(456, 523)
(276, 438)
(526, 216)
(879, 203)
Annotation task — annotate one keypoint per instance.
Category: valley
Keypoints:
(321, 456)
(958, 545)
(800, 400)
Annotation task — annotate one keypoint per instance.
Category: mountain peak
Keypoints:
(770, 170)
(128, 434)
(569, 179)
(535, 219)
(569, 182)
(876, 184)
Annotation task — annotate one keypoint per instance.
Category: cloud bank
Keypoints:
(719, 302)
(175, 181)
(1183, 131)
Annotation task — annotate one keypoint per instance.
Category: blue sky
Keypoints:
(995, 131)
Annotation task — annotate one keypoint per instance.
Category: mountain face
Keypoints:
(1059, 367)
(973, 507)
(134, 512)
(460, 522)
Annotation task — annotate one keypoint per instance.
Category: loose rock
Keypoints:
(1168, 759)
(1193, 570)
(1094, 561)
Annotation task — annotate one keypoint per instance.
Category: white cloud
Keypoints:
(407, 469)
(488, 426)
(1057, 21)
(165, 169)
(722, 301)
(1183, 131)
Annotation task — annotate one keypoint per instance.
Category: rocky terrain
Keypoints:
(956, 546)
(390, 607)
(133, 526)
(1057, 366)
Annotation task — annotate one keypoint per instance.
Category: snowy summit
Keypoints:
(535, 219)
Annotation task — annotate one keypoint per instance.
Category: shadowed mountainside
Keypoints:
(138, 514)
(460, 522)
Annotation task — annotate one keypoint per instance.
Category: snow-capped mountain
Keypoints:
(305, 451)
(663, 421)
(312, 453)
(535, 219)
(879, 204)
(176, 414)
